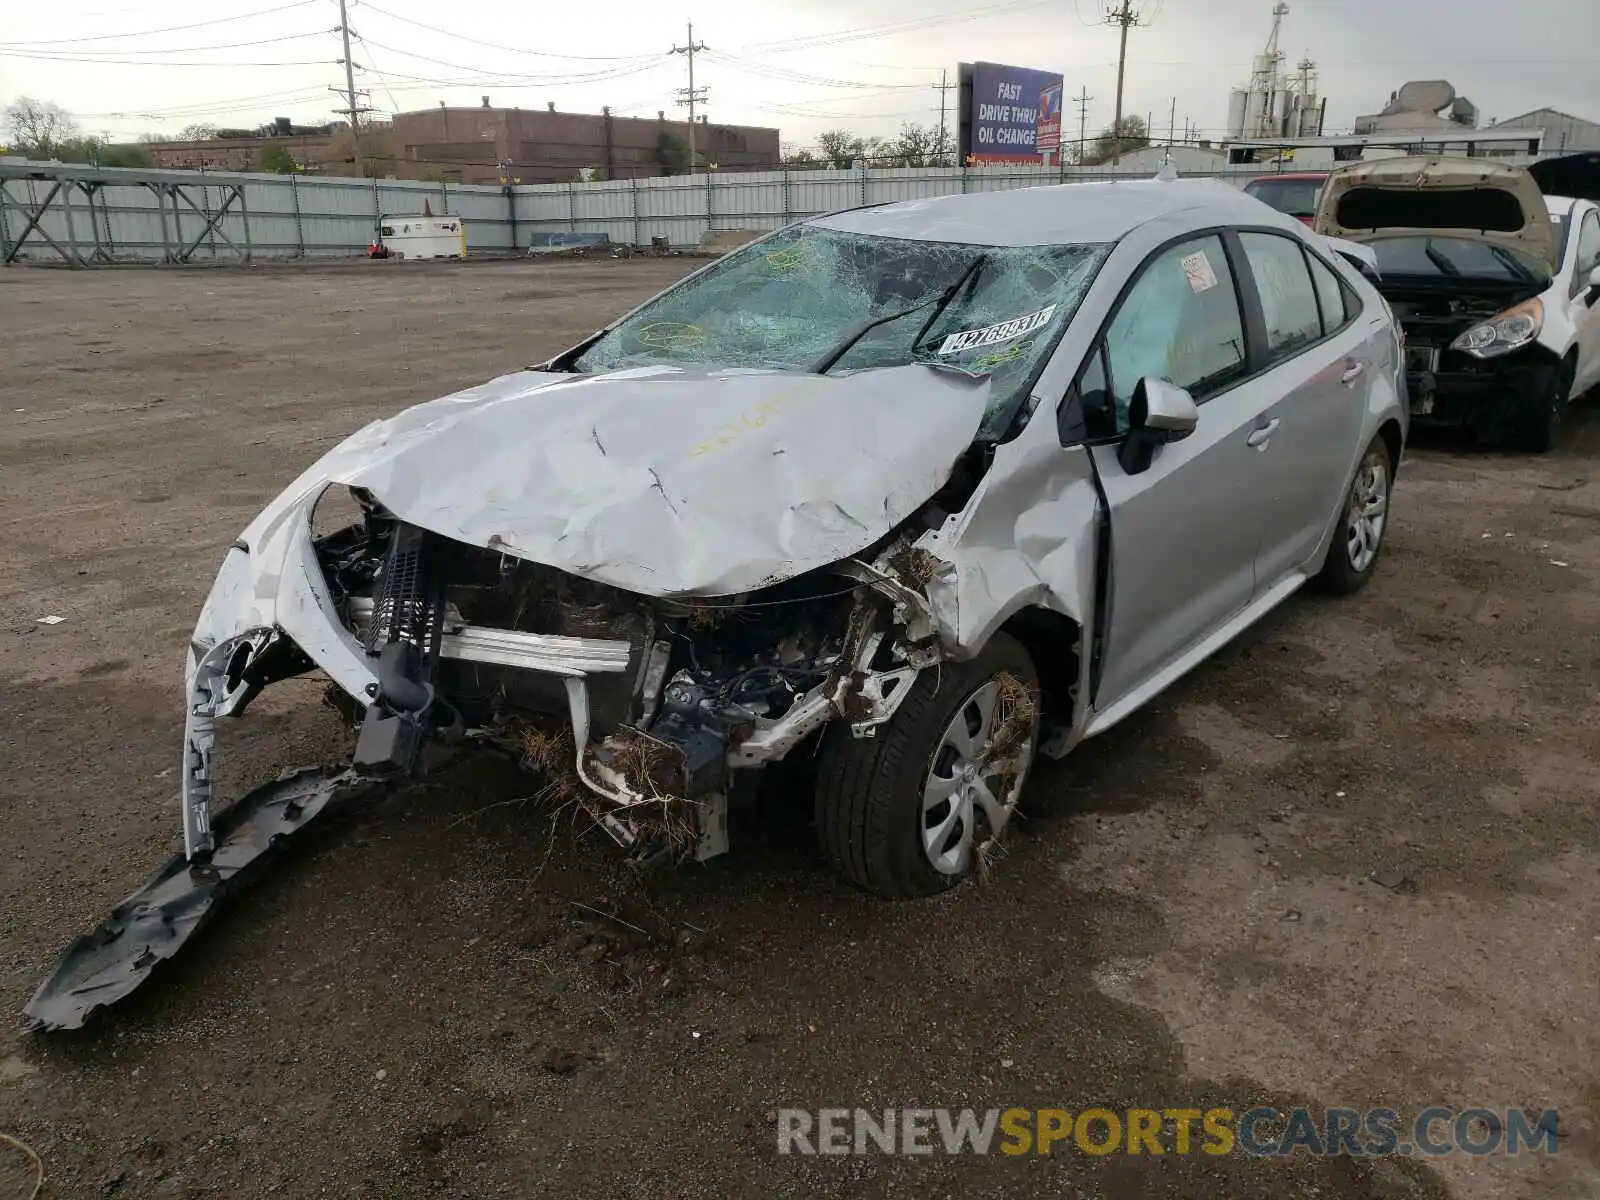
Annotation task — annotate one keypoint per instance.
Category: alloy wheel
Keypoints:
(976, 773)
(1366, 512)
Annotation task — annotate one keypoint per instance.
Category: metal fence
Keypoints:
(96, 215)
(89, 215)
(683, 208)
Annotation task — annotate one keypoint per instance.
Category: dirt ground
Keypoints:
(426, 1000)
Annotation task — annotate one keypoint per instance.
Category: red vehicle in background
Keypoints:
(1295, 193)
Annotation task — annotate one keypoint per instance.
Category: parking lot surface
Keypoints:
(448, 994)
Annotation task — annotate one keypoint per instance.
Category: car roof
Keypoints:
(1058, 215)
(1290, 175)
(1559, 206)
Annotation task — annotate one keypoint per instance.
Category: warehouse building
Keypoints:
(311, 146)
(1563, 132)
(488, 144)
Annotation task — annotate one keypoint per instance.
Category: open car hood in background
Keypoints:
(1577, 176)
(1452, 197)
(663, 481)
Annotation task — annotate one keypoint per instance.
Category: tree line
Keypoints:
(934, 146)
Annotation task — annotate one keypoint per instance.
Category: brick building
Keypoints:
(480, 145)
(240, 149)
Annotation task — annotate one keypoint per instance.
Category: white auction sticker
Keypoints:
(1198, 268)
(994, 335)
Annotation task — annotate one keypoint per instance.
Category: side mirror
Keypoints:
(1160, 412)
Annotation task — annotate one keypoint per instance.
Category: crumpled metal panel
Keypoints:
(1028, 537)
(661, 481)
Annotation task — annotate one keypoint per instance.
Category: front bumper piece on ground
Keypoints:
(153, 924)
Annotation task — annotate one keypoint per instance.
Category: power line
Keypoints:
(152, 62)
(394, 105)
(288, 37)
(109, 37)
(461, 37)
(889, 28)
(784, 73)
(481, 75)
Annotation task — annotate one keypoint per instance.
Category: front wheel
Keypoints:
(906, 813)
(1541, 424)
(1362, 523)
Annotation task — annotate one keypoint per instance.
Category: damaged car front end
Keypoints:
(642, 574)
(1467, 254)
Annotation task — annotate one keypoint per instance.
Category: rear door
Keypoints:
(1183, 532)
(1318, 364)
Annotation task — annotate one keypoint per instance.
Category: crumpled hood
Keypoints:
(663, 481)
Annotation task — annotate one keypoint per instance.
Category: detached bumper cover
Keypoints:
(153, 924)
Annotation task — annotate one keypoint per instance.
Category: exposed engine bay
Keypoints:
(674, 689)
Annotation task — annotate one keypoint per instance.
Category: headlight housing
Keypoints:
(1511, 330)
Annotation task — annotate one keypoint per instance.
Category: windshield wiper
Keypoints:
(1446, 267)
(938, 303)
(1511, 263)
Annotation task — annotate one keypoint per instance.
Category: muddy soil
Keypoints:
(448, 993)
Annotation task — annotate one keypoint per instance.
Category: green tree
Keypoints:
(920, 146)
(278, 159)
(1114, 140)
(672, 152)
(839, 148)
(367, 151)
(37, 127)
(126, 156)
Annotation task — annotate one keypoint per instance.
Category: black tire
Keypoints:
(1340, 574)
(1540, 427)
(869, 809)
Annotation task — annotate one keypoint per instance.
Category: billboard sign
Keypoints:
(1004, 111)
(1047, 131)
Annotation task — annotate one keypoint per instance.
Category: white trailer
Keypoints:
(411, 236)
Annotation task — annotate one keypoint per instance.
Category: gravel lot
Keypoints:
(421, 1000)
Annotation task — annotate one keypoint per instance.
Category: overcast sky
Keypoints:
(1507, 58)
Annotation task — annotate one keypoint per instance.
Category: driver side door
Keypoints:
(1185, 530)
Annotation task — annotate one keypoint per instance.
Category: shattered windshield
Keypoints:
(788, 302)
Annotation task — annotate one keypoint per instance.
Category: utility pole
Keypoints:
(351, 109)
(1082, 101)
(1124, 16)
(689, 95)
(942, 87)
(1172, 129)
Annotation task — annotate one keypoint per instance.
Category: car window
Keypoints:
(1094, 394)
(1179, 322)
(1588, 246)
(1296, 197)
(1288, 299)
(1330, 295)
(786, 302)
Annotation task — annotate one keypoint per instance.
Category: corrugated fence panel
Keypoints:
(338, 217)
(813, 192)
(143, 215)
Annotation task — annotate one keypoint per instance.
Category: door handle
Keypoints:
(1352, 373)
(1259, 437)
